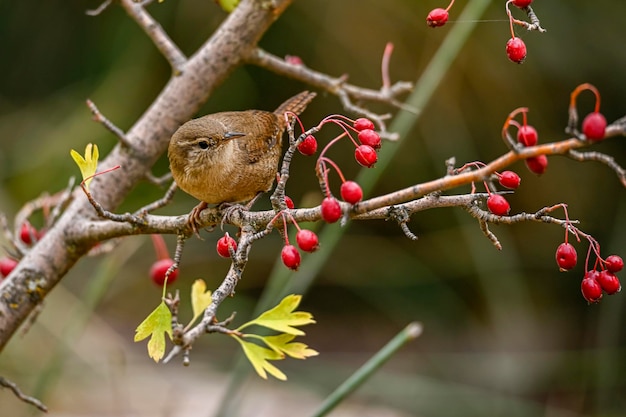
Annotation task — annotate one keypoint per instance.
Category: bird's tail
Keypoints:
(295, 104)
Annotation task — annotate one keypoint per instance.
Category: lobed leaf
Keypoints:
(259, 357)
(282, 343)
(283, 318)
(156, 325)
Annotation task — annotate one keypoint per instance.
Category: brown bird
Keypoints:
(230, 157)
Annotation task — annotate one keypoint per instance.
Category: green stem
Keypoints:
(410, 332)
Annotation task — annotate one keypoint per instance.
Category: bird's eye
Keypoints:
(203, 144)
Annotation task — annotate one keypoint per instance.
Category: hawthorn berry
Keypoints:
(437, 17)
(28, 233)
(566, 256)
(509, 179)
(365, 155)
(521, 3)
(308, 146)
(222, 245)
(290, 257)
(7, 265)
(537, 164)
(289, 202)
(369, 137)
(362, 123)
(591, 289)
(609, 282)
(498, 205)
(614, 263)
(158, 270)
(331, 210)
(307, 240)
(527, 135)
(351, 192)
(516, 50)
(594, 126)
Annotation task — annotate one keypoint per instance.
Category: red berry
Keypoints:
(509, 179)
(527, 135)
(369, 137)
(566, 256)
(308, 146)
(609, 282)
(362, 123)
(594, 126)
(522, 3)
(537, 164)
(365, 155)
(498, 205)
(351, 192)
(591, 289)
(290, 257)
(7, 265)
(307, 240)
(614, 263)
(331, 210)
(289, 202)
(437, 17)
(516, 50)
(222, 245)
(158, 270)
(28, 233)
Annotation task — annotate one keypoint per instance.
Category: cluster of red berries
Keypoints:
(594, 124)
(158, 270)
(29, 235)
(526, 136)
(601, 278)
(366, 146)
(595, 282)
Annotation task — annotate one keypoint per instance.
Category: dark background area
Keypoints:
(505, 332)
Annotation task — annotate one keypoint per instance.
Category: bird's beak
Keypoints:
(233, 135)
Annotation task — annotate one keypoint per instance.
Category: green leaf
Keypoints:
(259, 357)
(281, 343)
(156, 325)
(282, 318)
(200, 298)
(88, 164)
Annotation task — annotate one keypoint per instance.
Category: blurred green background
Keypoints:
(505, 332)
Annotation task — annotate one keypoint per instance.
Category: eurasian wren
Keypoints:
(230, 157)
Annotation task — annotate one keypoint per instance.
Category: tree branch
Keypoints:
(65, 243)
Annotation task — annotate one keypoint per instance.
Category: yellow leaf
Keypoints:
(282, 318)
(88, 164)
(281, 343)
(228, 5)
(259, 357)
(200, 298)
(155, 325)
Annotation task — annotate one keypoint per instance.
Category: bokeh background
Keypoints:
(504, 332)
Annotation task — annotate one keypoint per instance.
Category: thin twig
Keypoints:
(338, 86)
(99, 117)
(155, 32)
(18, 393)
(99, 9)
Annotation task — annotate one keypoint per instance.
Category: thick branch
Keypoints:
(64, 244)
